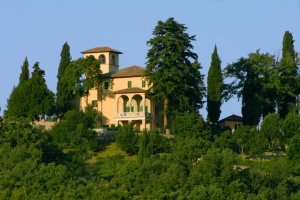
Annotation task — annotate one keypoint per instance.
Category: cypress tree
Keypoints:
(24, 76)
(251, 103)
(142, 147)
(214, 88)
(288, 76)
(64, 96)
(32, 98)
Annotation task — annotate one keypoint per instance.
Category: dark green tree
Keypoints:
(151, 143)
(241, 137)
(76, 129)
(128, 139)
(29, 162)
(255, 82)
(64, 96)
(293, 151)
(271, 129)
(288, 76)
(170, 69)
(257, 143)
(225, 140)
(24, 76)
(82, 75)
(214, 88)
(142, 154)
(291, 124)
(31, 98)
(251, 103)
(191, 125)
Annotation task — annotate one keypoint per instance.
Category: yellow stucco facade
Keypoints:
(233, 121)
(122, 98)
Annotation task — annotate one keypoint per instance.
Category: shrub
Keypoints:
(128, 139)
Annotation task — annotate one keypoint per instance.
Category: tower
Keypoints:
(109, 58)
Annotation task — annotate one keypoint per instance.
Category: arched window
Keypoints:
(113, 59)
(102, 59)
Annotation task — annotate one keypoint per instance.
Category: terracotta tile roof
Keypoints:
(130, 90)
(132, 71)
(232, 118)
(101, 49)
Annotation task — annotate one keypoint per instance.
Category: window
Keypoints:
(106, 85)
(143, 83)
(129, 84)
(126, 109)
(141, 109)
(113, 59)
(94, 103)
(102, 59)
(236, 126)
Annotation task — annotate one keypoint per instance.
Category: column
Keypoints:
(143, 124)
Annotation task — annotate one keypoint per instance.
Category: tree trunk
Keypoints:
(242, 148)
(165, 113)
(87, 98)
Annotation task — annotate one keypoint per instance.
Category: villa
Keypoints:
(122, 99)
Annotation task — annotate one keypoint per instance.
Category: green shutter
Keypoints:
(143, 84)
(126, 109)
(132, 109)
(94, 103)
(106, 84)
(141, 109)
(129, 84)
(146, 109)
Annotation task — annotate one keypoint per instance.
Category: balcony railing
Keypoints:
(133, 114)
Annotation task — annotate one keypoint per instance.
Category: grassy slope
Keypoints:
(108, 161)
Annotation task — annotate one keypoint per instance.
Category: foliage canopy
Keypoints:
(170, 72)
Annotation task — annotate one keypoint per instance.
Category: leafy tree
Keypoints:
(31, 165)
(191, 125)
(241, 137)
(271, 128)
(24, 76)
(170, 71)
(258, 144)
(31, 98)
(83, 74)
(225, 140)
(293, 151)
(64, 96)
(214, 88)
(216, 167)
(288, 76)
(128, 139)
(208, 192)
(291, 124)
(187, 151)
(75, 129)
(151, 143)
(255, 82)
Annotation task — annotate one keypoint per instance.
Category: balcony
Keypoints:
(134, 115)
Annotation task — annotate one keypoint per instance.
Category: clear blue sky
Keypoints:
(38, 29)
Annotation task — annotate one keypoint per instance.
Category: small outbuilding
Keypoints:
(232, 121)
